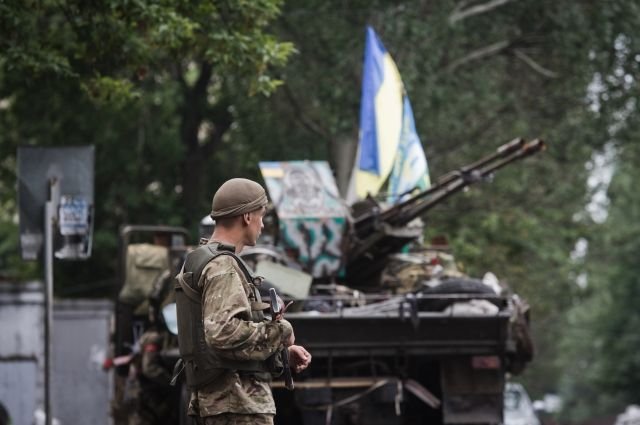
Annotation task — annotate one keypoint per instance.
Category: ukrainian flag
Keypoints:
(380, 120)
(410, 170)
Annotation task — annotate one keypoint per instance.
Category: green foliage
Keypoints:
(599, 335)
(149, 84)
(109, 45)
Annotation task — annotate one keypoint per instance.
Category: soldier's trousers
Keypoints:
(236, 419)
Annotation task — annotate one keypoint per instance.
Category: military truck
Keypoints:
(149, 257)
(397, 333)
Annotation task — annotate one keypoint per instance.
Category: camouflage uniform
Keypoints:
(227, 302)
(156, 399)
(236, 419)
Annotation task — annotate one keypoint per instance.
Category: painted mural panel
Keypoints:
(302, 189)
(311, 214)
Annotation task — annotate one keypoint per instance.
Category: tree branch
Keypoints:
(222, 124)
(483, 52)
(195, 99)
(307, 123)
(176, 68)
(488, 121)
(200, 88)
(534, 65)
(460, 14)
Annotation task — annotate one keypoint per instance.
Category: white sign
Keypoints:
(73, 216)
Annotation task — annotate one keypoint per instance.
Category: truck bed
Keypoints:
(403, 325)
(427, 333)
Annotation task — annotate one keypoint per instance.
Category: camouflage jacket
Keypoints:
(152, 366)
(227, 300)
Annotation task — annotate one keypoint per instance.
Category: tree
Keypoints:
(598, 341)
(599, 347)
(149, 83)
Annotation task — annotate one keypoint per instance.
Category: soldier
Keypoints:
(156, 400)
(146, 398)
(218, 303)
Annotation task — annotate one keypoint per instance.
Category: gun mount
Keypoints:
(377, 233)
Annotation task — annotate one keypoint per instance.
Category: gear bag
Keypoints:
(144, 264)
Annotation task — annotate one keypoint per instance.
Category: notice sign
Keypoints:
(62, 178)
(73, 216)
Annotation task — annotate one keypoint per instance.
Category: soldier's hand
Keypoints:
(283, 309)
(299, 358)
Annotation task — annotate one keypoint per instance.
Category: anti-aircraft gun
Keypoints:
(378, 233)
(421, 355)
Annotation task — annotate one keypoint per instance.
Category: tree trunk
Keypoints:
(193, 111)
(199, 148)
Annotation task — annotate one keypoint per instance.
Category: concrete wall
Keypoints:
(81, 390)
(21, 349)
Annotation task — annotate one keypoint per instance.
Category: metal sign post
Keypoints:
(50, 218)
(56, 183)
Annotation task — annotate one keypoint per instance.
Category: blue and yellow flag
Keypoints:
(380, 120)
(388, 142)
(410, 170)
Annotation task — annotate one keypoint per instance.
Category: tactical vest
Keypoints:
(202, 365)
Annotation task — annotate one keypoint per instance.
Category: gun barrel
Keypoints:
(371, 230)
(511, 146)
(506, 154)
(364, 224)
(502, 151)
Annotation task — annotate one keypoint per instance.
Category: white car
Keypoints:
(518, 409)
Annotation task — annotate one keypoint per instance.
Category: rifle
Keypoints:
(276, 309)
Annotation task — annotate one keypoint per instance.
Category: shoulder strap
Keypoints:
(198, 259)
(191, 293)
